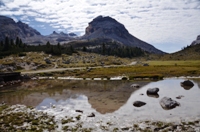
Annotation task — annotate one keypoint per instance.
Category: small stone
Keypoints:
(91, 115)
(80, 111)
(179, 97)
(139, 103)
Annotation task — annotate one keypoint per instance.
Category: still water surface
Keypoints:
(112, 100)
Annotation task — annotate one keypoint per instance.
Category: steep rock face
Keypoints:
(11, 29)
(197, 41)
(107, 27)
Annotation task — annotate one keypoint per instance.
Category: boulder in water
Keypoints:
(167, 103)
(139, 103)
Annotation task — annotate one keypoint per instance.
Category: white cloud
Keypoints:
(158, 22)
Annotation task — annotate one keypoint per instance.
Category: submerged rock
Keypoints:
(135, 85)
(187, 85)
(179, 97)
(167, 103)
(153, 91)
(139, 103)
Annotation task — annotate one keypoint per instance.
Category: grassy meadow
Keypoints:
(117, 66)
(155, 68)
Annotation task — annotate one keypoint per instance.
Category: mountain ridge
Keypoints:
(100, 27)
(10, 28)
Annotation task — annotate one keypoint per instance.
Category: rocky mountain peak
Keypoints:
(197, 41)
(54, 32)
(72, 35)
(9, 28)
(107, 25)
(109, 28)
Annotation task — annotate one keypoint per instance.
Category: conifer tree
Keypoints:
(17, 42)
(7, 44)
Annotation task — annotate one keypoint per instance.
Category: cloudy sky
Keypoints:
(169, 25)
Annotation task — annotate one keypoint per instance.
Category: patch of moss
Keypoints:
(65, 128)
(3, 107)
(78, 117)
(115, 129)
(67, 120)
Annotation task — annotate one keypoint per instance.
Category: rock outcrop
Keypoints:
(107, 27)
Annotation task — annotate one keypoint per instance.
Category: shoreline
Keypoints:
(30, 119)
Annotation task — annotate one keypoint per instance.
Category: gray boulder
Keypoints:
(109, 28)
(139, 103)
(153, 91)
(167, 103)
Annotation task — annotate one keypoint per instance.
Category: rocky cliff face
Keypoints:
(197, 41)
(107, 27)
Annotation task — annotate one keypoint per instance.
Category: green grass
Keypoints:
(175, 63)
(156, 69)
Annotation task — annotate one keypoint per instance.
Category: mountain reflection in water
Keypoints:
(115, 99)
(104, 96)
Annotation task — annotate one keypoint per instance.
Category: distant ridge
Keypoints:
(10, 28)
(191, 52)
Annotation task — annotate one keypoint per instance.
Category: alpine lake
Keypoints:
(107, 105)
